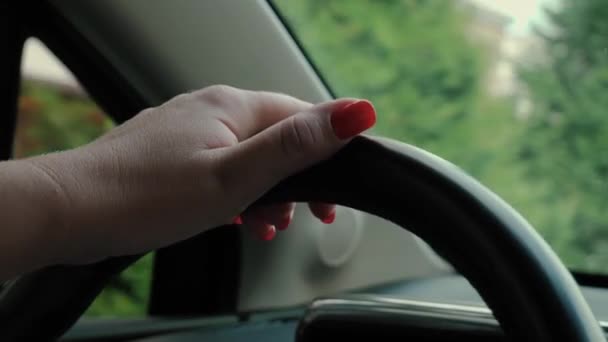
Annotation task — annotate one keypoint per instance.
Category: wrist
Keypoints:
(53, 203)
(31, 216)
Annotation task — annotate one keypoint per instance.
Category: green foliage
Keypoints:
(127, 295)
(418, 64)
(569, 130)
(52, 120)
(408, 56)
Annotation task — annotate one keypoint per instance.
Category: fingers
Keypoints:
(260, 228)
(278, 215)
(264, 221)
(323, 211)
(291, 145)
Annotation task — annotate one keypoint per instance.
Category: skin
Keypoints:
(167, 174)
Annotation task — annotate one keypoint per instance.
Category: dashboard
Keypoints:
(431, 309)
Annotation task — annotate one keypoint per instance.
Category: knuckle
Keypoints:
(219, 95)
(181, 97)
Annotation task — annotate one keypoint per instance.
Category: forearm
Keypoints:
(30, 227)
(169, 173)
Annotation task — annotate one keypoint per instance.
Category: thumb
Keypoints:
(291, 145)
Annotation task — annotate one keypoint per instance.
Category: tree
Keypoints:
(418, 64)
(566, 137)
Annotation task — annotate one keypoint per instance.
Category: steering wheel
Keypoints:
(531, 293)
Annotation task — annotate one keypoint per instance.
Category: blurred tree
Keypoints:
(54, 119)
(416, 62)
(421, 67)
(567, 134)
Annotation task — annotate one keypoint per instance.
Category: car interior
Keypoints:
(420, 249)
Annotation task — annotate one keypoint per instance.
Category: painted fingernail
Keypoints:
(270, 233)
(284, 223)
(353, 119)
(329, 219)
(237, 220)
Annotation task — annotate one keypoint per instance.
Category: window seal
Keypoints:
(291, 31)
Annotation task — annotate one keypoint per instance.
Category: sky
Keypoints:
(522, 12)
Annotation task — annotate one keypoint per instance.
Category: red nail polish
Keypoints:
(353, 119)
(329, 218)
(284, 223)
(269, 234)
(237, 220)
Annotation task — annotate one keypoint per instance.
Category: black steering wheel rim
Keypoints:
(531, 293)
(485, 239)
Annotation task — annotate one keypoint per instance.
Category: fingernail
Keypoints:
(329, 219)
(284, 223)
(270, 233)
(237, 220)
(353, 119)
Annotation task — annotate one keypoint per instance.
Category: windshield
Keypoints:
(514, 92)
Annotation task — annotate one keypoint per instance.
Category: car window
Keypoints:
(55, 114)
(513, 92)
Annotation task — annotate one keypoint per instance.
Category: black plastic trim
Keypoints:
(209, 266)
(591, 279)
(42, 305)
(12, 36)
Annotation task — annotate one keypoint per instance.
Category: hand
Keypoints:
(191, 164)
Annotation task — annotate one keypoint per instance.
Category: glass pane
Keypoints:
(514, 92)
(56, 114)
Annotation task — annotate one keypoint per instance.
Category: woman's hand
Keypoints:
(193, 163)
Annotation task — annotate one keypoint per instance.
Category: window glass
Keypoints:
(56, 114)
(512, 91)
